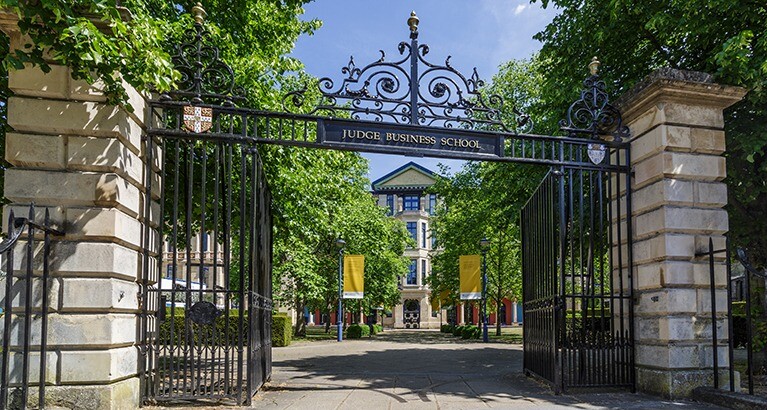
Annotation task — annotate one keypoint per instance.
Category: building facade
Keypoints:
(403, 193)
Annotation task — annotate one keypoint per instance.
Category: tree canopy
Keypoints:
(722, 37)
(317, 195)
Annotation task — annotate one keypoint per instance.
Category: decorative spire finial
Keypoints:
(199, 13)
(594, 66)
(413, 22)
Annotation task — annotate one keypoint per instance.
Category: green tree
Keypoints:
(722, 37)
(317, 195)
(484, 199)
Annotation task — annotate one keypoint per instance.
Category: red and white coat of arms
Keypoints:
(198, 119)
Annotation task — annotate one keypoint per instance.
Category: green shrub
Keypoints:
(356, 331)
(175, 331)
(470, 332)
(282, 330)
(447, 328)
(379, 327)
(375, 329)
(458, 330)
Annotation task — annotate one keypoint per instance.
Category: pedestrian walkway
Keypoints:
(422, 370)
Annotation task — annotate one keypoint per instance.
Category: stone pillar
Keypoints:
(82, 160)
(677, 126)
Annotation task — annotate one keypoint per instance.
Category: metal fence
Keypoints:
(742, 330)
(26, 301)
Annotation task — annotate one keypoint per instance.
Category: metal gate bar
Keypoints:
(206, 313)
(17, 320)
(539, 257)
(577, 283)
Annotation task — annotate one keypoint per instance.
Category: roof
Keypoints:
(410, 165)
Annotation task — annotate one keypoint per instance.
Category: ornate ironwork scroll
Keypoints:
(593, 115)
(205, 78)
(410, 90)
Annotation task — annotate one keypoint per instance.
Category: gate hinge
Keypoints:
(140, 299)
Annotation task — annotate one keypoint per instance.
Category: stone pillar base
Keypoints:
(115, 396)
(679, 384)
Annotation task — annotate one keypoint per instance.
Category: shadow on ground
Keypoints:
(414, 369)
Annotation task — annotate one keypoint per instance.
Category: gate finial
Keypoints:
(199, 13)
(594, 66)
(412, 22)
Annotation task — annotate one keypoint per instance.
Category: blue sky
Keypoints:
(476, 33)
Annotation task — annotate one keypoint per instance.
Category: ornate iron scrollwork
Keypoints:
(410, 90)
(592, 114)
(205, 78)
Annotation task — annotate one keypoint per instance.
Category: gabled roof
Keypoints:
(401, 170)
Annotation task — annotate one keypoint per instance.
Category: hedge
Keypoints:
(172, 329)
(375, 329)
(470, 332)
(458, 330)
(447, 328)
(356, 331)
(282, 329)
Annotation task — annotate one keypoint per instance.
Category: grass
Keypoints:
(512, 335)
(315, 333)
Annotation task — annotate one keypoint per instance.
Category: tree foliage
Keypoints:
(722, 37)
(484, 198)
(317, 195)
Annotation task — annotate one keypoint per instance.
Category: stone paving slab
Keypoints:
(422, 370)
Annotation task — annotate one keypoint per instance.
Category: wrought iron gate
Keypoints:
(205, 325)
(207, 284)
(577, 285)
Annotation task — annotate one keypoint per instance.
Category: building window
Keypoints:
(169, 273)
(423, 271)
(412, 275)
(423, 235)
(411, 227)
(390, 204)
(432, 204)
(433, 239)
(204, 242)
(411, 203)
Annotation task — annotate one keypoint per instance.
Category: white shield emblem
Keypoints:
(597, 153)
(198, 119)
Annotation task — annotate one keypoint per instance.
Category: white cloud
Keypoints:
(520, 8)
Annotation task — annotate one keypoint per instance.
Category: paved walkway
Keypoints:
(421, 370)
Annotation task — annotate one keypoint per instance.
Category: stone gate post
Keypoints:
(676, 120)
(83, 160)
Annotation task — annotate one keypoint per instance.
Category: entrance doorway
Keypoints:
(211, 338)
(411, 314)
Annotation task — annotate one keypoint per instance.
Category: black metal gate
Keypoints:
(207, 284)
(577, 285)
(205, 325)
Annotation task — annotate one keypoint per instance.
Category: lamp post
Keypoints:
(340, 243)
(484, 244)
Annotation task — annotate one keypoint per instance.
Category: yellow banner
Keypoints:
(354, 276)
(470, 277)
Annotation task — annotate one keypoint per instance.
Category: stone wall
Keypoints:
(677, 124)
(83, 160)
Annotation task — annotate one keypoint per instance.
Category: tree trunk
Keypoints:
(300, 329)
(498, 317)
(327, 322)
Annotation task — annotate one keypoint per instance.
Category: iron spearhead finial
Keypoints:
(594, 66)
(412, 22)
(199, 13)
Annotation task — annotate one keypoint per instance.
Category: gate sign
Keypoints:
(198, 119)
(408, 138)
(470, 277)
(354, 276)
